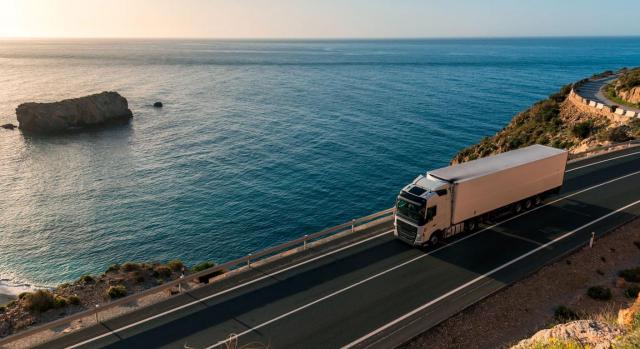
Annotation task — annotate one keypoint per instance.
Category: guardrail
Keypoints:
(243, 261)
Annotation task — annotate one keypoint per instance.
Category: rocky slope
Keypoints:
(627, 87)
(556, 121)
(93, 110)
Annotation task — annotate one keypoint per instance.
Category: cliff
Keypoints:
(627, 87)
(93, 110)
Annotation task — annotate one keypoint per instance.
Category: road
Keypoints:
(381, 291)
(593, 90)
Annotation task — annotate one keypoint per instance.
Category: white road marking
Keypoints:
(348, 246)
(226, 291)
(605, 160)
(426, 305)
(238, 335)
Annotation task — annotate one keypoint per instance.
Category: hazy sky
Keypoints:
(317, 18)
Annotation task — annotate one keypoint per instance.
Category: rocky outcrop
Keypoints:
(627, 317)
(98, 109)
(587, 333)
(632, 95)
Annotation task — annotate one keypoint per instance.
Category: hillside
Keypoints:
(557, 121)
(626, 89)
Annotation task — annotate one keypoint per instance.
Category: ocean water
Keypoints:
(259, 142)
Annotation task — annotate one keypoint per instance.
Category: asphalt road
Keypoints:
(381, 291)
(592, 90)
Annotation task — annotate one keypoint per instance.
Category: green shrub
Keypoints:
(618, 134)
(65, 285)
(87, 279)
(583, 129)
(175, 265)
(565, 314)
(40, 301)
(599, 292)
(140, 279)
(74, 300)
(2, 309)
(630, 275)
(117, 291)
(130, 266)
(59, 302)
(632, 291)
(202, 266)
(163, 271)
(113, 268)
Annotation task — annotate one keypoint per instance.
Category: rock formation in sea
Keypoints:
(98, 109)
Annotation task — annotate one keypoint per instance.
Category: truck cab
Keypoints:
(423, 211)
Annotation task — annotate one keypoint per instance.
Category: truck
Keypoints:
(458, 198)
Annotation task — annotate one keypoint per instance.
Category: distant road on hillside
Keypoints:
(593, 90)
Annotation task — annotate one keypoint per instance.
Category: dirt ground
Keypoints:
(526, 307)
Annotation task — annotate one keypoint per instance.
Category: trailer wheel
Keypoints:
(517, 208)
(471, 225)
(528, 204)
(537, 200)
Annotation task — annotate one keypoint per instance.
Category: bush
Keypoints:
(599, 292)
(583, 129)
(163, 271)
(632, 291)
(113, 268)
(565, 314)
(87, 279)
(117, 291)
(618, 134)
(630, 275)
(74, 300)
(23, 295)
(2, 309)
(175, 265)
(40, 301)
(130, 266)
(202, 266)
(59, 302)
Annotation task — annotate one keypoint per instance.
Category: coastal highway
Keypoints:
(379, 291)
(593, 90)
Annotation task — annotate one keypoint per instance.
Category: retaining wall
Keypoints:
(615, 113)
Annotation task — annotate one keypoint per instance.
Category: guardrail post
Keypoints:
(97, 320)
(304, 243)
(249, 260)
(593, 236)
(353, 225)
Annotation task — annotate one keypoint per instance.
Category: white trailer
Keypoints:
(457, 198)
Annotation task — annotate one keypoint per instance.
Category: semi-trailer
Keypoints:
(458, 198)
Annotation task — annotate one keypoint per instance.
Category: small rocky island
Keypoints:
(69, 114)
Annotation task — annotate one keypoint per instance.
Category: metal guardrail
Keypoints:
(246, 260)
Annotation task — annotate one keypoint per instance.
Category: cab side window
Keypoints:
(431, 212)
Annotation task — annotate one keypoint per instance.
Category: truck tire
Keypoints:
(528, 204)
(537, 200)
(471, 225)
(434, 239)
(517, 208)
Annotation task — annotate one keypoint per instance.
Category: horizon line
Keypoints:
(315, 38)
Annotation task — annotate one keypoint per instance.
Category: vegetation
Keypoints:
(40, 301)
(175, 265)
(630, 275)
(87, 279)
(113, 268)
(202, 266)
(130, 266)
(163, 271)
(117, 291)
(599, 292)
(74, 300)
(565, 314)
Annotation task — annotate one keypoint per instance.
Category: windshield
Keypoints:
(410, 211)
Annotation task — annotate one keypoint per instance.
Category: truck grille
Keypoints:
(406, 231)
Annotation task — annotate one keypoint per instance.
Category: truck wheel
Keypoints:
(517, 208)
(528, 204)
(471, 226)
(537, 200)
(435, 238)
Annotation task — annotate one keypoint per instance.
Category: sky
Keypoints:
(316, 18)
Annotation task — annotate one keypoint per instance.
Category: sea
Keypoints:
(259, 142)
